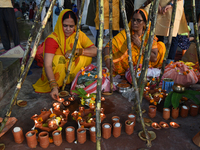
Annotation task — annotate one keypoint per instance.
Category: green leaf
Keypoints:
(168, 100)
(82, 91)
(192, 92)
(77, 92)
(192, 97)
(175, 99)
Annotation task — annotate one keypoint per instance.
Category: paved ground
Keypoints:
(116, 104)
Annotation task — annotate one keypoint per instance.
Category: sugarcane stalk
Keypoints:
(125, 22)
(25, 72)
(110, 46)
(30, 38)
(74, 46)
(99, 73)
(168, 45)
(196, 29)
(143, 38)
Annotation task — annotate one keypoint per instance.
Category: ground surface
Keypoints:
(114, 105)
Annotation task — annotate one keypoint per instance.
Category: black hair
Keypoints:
(142, 14)
(71, 14)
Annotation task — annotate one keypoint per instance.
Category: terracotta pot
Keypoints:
(184, 111)
(194, 109)
(81, 135)
(31, 139)
(57, 137)
(115, 119)
(166, 113)
(132, 117)
(44, 139)
(70, 134)
(152, 115)
(18, 135)
(93, 134)
(175, 113)
(117, 129)
(152, 109)
(129, 128)
(106, 130)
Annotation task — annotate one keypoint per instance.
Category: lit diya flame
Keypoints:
(71, 98)
(35, 116)
(88, 95)
(60, 100)
(147, 88)
(103, 99)
(57, 107)
(66, 111)
(56, 104)
(36, 122)
(174, 125)
(66, 103)
(155, 126)
(102, 115)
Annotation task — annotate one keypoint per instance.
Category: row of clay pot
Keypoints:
(184, 111)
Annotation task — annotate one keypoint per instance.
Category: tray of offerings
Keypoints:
(50, 120)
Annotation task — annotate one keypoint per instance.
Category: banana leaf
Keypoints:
(168, 100)
(175, 99)
(191, 96)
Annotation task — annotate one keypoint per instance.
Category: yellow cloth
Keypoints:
(163, 21)
(120, 52)
(60, 63)
(115, 12)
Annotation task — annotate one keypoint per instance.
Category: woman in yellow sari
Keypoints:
(57, 50)
(120, 50)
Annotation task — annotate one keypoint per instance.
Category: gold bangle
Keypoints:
(106, 57)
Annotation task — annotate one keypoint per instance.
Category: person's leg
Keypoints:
(12, 24)
(97, 36)
(3, 30)
(173, 48)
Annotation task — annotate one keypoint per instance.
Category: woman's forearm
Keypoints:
(49, 73)
(154, 54)
(90, 51)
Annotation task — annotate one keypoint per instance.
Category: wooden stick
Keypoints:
(99, 72)
(196, 29)
(30, 38)
(122, 3)
(110, 46)
(74, 46)
(25, 72)
(168, 45)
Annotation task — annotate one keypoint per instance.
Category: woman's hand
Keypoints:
(54, 93)
(68, 54)
(107, 61)
(135, 39)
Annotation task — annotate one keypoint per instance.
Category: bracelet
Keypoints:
(53, 84)
(106, 57)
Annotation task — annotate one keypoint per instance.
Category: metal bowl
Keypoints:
(123, 87)
(178, 88)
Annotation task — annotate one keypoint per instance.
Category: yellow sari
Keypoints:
(60, 63)
(120, 52)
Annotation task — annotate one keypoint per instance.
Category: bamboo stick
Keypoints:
(30, 38)
(74, 46)
(168, 45)
(110, 46)
(196, 29)
(99, 72)
(122, 3)
(25, 72)
(143, 38)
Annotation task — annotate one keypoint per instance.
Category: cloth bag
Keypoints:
(93, 86)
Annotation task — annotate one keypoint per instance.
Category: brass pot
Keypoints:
(178, 88)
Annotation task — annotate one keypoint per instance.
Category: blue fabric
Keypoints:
(174, 45)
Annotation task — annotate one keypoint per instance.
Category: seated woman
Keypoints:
(57, 50)
(120, 50)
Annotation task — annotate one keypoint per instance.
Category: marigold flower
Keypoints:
(188, 71)
(155, 103)
(148, 83)
(139, 74)
(174, 66)
(184, 98)
(40, 119)
(150, 66)
(79, 114)
(79, 118)
(171, 62)
(83, 72)
(195, 70)
(153, 79)
(138, 69)
(36, 131)
(52, 115)
(82, 126)
(104, 75)
(178, 65)
(161, 96)
(50, 139)
(93, 98)
(82, 68)
(88, 74)
(95, 76)
(184, 73)
(152, 100)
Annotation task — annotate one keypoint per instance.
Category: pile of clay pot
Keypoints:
(43, 137)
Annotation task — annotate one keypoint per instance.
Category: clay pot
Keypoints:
(115, 119)
(44, 139)
(156, 126)
(152, 109)
(81, 135)
(18, 135)
(117, 129)
(175, 113)
(57, 137)
(131, 117)
(152, 115)
(70, 134)
(106, 130)
(31, 139)
(184, 111)
(194, 109)
(93, 134)
(166, 113)
(129, 128)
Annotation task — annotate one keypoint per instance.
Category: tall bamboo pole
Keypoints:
(196, 29)
(25, 72)
(168, 45)
(99, 72)
(122, 3)
(30, 38)
(74, 46)
(110, 46)
(143, 38)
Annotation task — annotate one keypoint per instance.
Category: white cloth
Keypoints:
(138, 4)
(6, 4)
